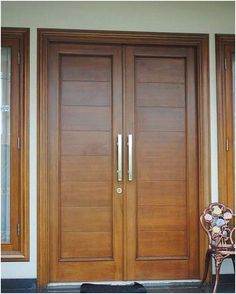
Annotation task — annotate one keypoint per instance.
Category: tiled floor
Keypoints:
(223, 288)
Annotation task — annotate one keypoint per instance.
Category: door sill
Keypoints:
(145, 283)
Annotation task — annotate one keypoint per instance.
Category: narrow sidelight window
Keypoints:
(14, 144)
(225, 62)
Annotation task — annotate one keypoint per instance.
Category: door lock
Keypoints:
(119, 190)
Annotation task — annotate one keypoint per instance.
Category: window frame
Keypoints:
(225, 47)
(18, 40)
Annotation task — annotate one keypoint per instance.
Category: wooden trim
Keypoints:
(47, 36)
(225, 119)
(22, 35)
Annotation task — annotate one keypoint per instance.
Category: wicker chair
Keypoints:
(218, 222)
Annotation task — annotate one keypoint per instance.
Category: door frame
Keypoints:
(46, 36)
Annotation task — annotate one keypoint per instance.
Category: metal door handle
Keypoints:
(130, 157)
(119, 158)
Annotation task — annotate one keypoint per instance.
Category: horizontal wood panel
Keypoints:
(161, 144)
(158, 69)
(85, 68)
(161, 218)
(86, 118)
(160, 119)
(86, 194)
(86, 271)
(86, 93)
(85, 143)
(162, 161)
(162, 193)
(86, 245)
(161, 244)
(157, 94)
(86, 168)
(163, 269)
(153, 169)
(86, 219)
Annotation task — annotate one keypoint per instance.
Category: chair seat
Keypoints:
(224, 249)
(224, 252)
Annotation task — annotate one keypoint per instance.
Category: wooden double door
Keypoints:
(122, 162)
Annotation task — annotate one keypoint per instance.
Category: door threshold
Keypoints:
(145, 283)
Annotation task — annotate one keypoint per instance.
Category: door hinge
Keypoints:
(18, 229)
(225, 64)
(227, 144)
(18, 143)
(18, 58)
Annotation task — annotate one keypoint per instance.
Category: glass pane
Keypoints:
(5, 143)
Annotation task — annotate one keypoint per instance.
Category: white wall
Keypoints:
(184, 17)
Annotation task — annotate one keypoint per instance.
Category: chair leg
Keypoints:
(233, 260)
(218, 261)
(207, 262)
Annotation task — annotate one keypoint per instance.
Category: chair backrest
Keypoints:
(217, 221)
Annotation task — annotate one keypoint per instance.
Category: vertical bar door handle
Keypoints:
(130, 157)
(119, 158)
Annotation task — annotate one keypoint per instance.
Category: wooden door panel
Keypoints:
(162, 199)
(160, 119)
(149, 169)
(162, 192)
(161, 218)
(158, 244)
(168, 268)
(160, 94)
(86, 168)
(85, 143)
(164, 144)
(85, 194)
(84, 120)
(88, 219)
(160, 204)
(160, 70)
(86, 68)
(85, 245)
(87, 93)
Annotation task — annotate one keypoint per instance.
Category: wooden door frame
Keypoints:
(45, 37)
(21, 36)
(223, 98)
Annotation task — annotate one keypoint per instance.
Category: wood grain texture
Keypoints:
(157, 168)
(86, 68)
(87, 225)
(82, 118)
(161, 218)
(165, 269)
(160, 70)
(225, 48)
(160, 94)
(162, 193)
(85, 93)
(84, 143)
(156, 244)
(86, 219)
(85, 194)
(162, 144)
(86, 168)
(165, 152)
(160, 119)
(178, 269)
(86, 245)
